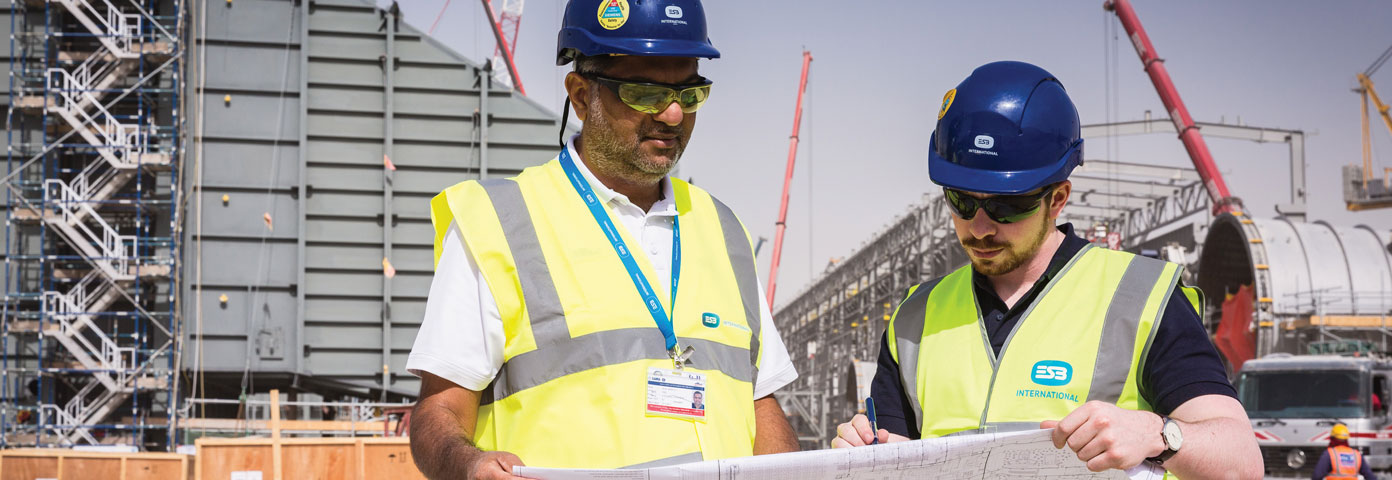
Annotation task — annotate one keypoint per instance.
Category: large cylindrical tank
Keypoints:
(1295, 270)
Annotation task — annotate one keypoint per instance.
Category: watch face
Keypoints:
(1173, 438)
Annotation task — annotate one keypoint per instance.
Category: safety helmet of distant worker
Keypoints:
(665, 28)
(1008, 129)
(1339, 432)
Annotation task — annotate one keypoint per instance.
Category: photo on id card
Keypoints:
(676, 394)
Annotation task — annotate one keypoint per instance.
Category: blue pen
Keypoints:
(870, 412)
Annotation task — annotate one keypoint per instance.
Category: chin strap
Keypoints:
(565, 117)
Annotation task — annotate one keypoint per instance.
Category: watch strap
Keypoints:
(1169, 450)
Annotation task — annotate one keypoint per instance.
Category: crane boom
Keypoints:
(1369, 93)
(504, 45)
(1223, 201)
(787, 181)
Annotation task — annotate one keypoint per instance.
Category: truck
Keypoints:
(1294, 400)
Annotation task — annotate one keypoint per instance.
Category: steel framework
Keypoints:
(90, 334)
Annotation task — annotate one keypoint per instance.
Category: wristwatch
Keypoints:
(1173, 438)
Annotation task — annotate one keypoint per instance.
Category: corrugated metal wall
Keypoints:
(308, 296)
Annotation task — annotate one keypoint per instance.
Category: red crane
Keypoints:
(1218, 193)
(505, 23)
(787, 181)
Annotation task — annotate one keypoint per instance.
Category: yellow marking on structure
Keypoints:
(1264, 300)
(1255, 240)
(1262, 266)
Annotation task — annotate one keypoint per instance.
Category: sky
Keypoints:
(880, 70)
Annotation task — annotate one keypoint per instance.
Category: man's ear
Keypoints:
(579, 91)
(1059, 198)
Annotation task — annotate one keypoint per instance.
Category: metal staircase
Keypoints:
(89, 300)
(112, 366)
(117, 31)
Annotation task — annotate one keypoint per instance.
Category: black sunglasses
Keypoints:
(1001, 208)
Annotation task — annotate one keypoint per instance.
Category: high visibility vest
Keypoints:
(579, 340)
(1083, 338)
(1345, 463)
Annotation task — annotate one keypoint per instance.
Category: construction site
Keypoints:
(218, 232)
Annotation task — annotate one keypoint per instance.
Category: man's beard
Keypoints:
(622, 157)
(1012, 256)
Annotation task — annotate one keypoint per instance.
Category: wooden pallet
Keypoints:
(64, 464)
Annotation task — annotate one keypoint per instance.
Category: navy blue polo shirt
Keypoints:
(1182, 363)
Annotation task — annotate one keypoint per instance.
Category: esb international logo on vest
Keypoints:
(1049, 373)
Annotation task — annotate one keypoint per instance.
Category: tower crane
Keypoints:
(1359, 194)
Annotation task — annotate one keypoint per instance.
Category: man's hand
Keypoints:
(494, 466)
(857, 433)
(442, 429)
(1107, 436)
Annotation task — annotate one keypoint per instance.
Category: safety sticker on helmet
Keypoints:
(613, 14)
(947, 102)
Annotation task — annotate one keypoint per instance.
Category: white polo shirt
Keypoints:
(461, 338)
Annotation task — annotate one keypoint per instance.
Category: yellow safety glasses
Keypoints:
(653, 98)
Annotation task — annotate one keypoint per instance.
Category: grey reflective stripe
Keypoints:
(1118, 341)
(677, 460)
(746, 277)
(1002, 427)
(611, 347)
(538, 290)
(908, 333)
(997, 427)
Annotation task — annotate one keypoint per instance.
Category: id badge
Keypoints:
(676, 394)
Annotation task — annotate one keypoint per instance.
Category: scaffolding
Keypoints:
(90, 332)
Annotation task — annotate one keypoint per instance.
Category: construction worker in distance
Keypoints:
(1042, 329)
(578, 308)
(1340, 461)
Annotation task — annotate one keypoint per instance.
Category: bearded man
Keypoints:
(555, 332)
(1042, 329)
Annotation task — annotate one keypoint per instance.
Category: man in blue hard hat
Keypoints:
(1042, 329)
(592, 312)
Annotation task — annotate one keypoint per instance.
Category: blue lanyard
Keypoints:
(639, 280)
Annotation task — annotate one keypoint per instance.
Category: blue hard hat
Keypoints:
(1009, 128)
(665, 28)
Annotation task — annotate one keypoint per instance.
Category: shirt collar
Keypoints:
(666, 207)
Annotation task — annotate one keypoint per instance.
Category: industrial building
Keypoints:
(203, 205)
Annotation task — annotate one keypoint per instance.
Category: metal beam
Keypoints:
(1112, 168)
(390, 19)
(1296, 138)
(303, 194)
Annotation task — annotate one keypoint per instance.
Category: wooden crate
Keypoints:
(63, 464)
(327, 458)
(306, 458)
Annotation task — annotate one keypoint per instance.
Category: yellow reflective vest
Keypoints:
(579, 341)
(1084, 338)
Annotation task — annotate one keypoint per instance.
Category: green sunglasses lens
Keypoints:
(692, 98)
(645, 98)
